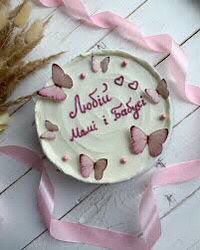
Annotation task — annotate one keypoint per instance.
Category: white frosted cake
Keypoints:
(104, 117)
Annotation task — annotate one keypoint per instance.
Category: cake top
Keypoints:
(104, 117)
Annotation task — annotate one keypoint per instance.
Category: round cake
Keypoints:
(104, 117)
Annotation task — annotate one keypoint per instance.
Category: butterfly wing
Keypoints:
(53, 93)
(60, 78)
(50, 136)
(104, 64)
(51, 126)
(156, 141)
(152, 95)
(162, 89)
(94, 65)
(138, 140)
(86, 165)
(99, 168)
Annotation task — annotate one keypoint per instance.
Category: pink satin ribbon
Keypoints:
(148, 213)
(163, 43)
(75, 232)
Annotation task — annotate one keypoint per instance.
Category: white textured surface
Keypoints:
(109, 141)
(113, 206)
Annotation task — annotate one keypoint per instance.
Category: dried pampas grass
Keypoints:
(34, 32)
(4, 2)
(4, 118)
(17, 39)
(3, 16)
(22, 15)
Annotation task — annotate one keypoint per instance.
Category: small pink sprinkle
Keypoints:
(123, 160)
(124, 63)
(163, 117)
(82, 76)
(65, 158)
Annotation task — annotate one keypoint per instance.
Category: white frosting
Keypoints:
(109, 141)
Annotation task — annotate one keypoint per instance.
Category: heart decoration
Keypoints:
(133, 85)
(119, 80)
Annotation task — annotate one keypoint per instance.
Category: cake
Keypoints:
(104, 117)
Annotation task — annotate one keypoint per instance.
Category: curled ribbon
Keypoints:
(75, 232)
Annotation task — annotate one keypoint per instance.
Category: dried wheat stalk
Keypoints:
(17, 39)
(19, 72)
(3, 16)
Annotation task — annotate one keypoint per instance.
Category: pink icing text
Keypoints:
(129, 108)
(94, 102)
(78, 133)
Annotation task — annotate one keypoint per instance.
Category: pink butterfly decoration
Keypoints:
(48, 135)
(154, 141)
(61, 80)
(104, 64)
(161, 91)
(51, 127)
(54, 93)
(94, 64)
(59, 77)
(87, 166)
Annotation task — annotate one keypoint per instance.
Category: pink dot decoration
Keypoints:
(163, 117)
(123, 160)
(65, 158)
(82, 76)
(124, 63)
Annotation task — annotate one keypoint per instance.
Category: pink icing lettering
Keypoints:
(78, 133)
(105, 87)
(89, 106)
(77, 107)
(94, 102)
(124, 112)
(130, 109)
(115, 113)
(143, 101)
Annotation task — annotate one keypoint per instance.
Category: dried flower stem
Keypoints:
(6, 33)
(17, 39)
(18, 101)
(14, 12)
(34, 33)
(23, 15)
(30, 67)
(17, 73)
(3, 16)
(5, 2)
